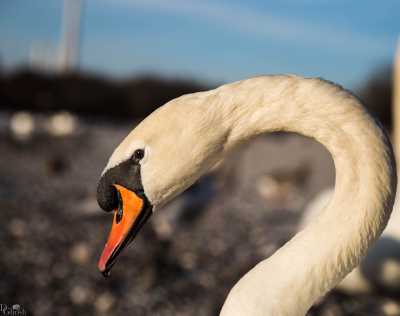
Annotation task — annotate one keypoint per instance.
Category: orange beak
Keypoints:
(127, 221)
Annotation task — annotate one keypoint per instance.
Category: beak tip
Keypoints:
(104, 257)
(106, 273)
(101, 265)
(103, 269)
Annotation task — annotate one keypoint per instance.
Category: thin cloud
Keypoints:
(268, 26)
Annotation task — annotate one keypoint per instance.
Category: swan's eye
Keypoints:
(138, 154)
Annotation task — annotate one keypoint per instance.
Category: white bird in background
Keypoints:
(380, 269)
(169, 150)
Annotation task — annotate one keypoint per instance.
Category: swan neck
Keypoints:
(318, 257)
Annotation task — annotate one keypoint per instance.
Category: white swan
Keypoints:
(169, 150)
(380, 269)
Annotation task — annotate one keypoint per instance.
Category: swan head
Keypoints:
(165, 154)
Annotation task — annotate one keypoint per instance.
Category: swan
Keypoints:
(180, 141)
(380, 269)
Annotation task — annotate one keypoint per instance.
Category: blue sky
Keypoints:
(220, 41)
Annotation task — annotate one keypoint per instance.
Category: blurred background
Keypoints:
(75, 78)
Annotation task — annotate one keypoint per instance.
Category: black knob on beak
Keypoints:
(107, 195)
(126, 174)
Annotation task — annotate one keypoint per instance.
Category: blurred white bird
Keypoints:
(61, 124)
(22, 125)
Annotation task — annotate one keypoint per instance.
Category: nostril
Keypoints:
(107, 196)
(120, 212)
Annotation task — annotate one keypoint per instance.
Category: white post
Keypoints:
(70, 41)
(396, 103)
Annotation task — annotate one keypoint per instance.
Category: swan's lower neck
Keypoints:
(318, 257)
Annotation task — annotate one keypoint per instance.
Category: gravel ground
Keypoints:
(185, 259)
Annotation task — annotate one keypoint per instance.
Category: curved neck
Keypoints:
(318, 257)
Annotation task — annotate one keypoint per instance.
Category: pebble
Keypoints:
(60, 270)
(104, 302)
(391, 308)
(17, 228)
(89, 206)
(80, 253)
(79, 295)
(188, 260)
